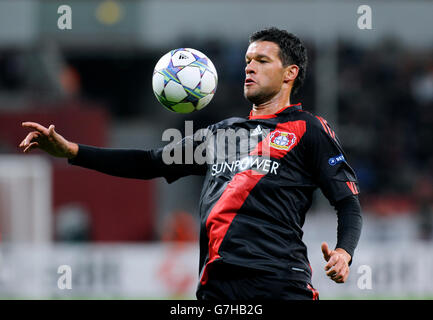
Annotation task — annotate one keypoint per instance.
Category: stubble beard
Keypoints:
(258, 96)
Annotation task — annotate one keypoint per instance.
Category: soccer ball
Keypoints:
(184, 80)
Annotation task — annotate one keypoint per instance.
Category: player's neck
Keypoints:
(270, 107)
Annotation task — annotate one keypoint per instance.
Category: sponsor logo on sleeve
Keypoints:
(335, 160)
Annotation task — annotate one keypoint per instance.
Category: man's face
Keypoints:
(264, 71)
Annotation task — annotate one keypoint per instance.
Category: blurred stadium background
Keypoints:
(132, 239)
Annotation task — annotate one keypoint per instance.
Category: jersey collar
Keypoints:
(286, 109)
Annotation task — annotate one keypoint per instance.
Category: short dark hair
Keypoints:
(292, 50)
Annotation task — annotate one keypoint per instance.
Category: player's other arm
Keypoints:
(339, 184)
(348, 233)
(127, 163)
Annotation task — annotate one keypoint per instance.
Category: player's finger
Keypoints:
(36, 126)
(24, 140)
(339, 266)
(338, 270)
(325, 251)
(342, 273)
(29, 138)
(51, 129)
(331, 274)
(332, 261)
(344, 277)
(337, 277)
(341, 278)
(31, 146)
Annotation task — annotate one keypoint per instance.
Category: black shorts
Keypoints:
(230, 282)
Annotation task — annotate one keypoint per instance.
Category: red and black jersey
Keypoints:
(252, 209)
(253, 205)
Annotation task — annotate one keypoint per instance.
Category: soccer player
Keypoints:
(252, 212)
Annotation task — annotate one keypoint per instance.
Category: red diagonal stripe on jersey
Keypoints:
(314, 292)
(237, 191)
(326, 127)
(352, 187)
(356, 188)
(226, 208)
(323, 124)
(263, 148)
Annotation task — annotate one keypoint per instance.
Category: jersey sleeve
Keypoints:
(328, 162)
(171, 162)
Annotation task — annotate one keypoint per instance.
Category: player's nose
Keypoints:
(250, 68)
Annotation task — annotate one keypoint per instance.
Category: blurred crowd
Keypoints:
(385, 103)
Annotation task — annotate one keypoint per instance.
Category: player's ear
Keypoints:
(291, 73)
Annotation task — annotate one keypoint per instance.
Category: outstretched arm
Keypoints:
(126, 163)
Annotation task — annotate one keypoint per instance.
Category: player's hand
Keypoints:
(49, 140)
(338, 260)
